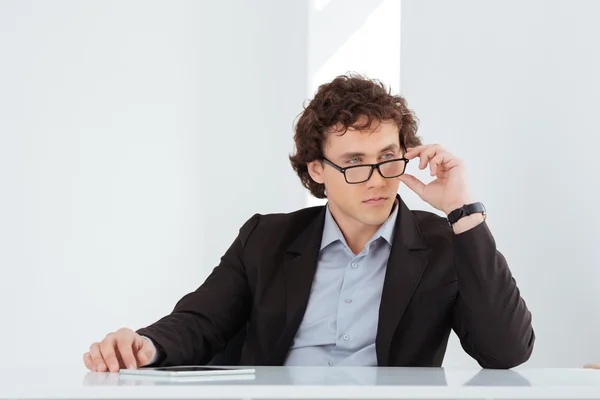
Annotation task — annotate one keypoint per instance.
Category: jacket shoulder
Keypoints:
(302, 216)
(277, 228)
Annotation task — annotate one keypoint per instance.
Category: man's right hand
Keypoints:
(121, 349)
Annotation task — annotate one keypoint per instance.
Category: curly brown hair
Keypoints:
(342, 103)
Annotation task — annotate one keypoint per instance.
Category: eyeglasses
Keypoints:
(362, 173)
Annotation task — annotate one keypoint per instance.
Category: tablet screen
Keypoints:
(192, 368)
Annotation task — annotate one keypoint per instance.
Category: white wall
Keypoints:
(135, 139)
(352, 36)
(512, 87)
(116, 117)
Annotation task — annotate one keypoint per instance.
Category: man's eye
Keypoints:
(353, 161)
(388, 156)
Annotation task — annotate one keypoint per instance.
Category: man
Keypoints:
(362, 281)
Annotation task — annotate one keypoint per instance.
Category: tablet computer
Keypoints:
(188, 370)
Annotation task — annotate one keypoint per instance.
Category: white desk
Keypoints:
(310, 383)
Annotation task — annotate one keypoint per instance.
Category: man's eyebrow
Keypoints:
(390, 147)
(349, 155)
(352, 155)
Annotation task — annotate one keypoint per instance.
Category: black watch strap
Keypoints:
(465, 210)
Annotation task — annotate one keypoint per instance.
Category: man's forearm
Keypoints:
(492, 319)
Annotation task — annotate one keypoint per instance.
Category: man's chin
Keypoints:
(376, 217)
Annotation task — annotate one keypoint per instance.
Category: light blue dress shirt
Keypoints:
(340, 323)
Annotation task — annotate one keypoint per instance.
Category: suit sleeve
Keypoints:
(490, 317)
(203, 321)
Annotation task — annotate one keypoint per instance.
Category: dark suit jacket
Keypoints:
(435, 281)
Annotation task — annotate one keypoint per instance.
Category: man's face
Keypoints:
(370, 202)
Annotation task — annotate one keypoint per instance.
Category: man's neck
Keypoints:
(356, 234)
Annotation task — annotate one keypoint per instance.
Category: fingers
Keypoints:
(435, 161)
(592, 366)
(434, 155)
(142, 359)
(97, 359)
(423, 152)
(107, 347)
(413, 152)
(441, 162)
(122, 349)
(125, 347)
(413, 183)
(87, 360)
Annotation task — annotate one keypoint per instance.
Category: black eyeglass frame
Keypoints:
(373, 166)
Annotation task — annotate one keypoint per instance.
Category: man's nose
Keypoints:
(376, 179)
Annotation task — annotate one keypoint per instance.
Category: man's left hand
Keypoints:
(449, 190)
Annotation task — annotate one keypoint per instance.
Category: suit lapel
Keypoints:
(299, 267)
(405, 267)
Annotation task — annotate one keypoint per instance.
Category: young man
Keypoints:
(362, 281)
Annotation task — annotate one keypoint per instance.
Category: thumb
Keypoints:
(146, 351)
(413, 183)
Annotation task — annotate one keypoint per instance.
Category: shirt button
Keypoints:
(331, 363)
(354, 265)
(348, 301)
(346, 337)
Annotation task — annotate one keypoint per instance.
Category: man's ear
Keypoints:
(315, 169)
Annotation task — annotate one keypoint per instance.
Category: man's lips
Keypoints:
(375, 200)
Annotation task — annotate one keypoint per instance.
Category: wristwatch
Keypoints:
(465, 210)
